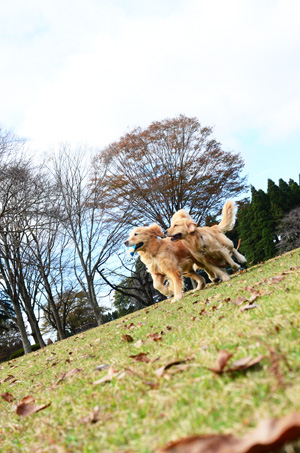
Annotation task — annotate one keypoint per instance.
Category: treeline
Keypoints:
(63, 222)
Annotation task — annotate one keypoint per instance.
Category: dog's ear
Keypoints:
(156, 229)
(191, 226)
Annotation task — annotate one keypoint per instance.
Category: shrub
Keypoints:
(20, 352)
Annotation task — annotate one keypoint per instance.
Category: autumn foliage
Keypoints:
(172, 164)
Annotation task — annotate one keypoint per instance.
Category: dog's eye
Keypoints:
(175, 225)
(135, 234)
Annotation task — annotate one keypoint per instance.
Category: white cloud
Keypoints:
(85, 71)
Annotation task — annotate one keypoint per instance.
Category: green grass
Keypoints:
(139, 411)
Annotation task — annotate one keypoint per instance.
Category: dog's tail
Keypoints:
(228, 217)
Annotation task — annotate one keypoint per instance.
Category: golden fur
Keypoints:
(209, 246)
(164, 259)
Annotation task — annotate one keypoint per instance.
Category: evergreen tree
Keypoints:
(286, 193)
(257, 228)
(259, 223)
(277, 200)
(295, 193)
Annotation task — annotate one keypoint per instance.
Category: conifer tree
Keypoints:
(259, 223)
(256, 228)
(277, 200)
(295, 193)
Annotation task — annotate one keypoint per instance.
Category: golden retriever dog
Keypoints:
(164, 259)
(209, 246)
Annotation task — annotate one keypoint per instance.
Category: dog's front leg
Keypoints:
(177, 280)
(158, 283)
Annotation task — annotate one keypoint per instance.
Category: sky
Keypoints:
(88, 71)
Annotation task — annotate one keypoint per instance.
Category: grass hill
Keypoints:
(138, 382)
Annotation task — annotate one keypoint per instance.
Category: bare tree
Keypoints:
(94, 228)
(22, 191)
(11, 180)
(47, 252)
(289, 231)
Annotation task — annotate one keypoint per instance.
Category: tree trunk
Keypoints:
(22, 328)
(60, 330)
(36, 333)
(94, 303)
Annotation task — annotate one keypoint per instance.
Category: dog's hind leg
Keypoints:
(198, 278)
(226, 256)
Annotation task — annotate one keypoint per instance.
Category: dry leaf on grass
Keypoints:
(268, 437)
(248, 307)
(68, 374)
(141, 357)
(276, 279)
(238, 365)
(27, 406)
(239, 300)
(249, 288)
(108, 377)
(155, 336)
(161, 371)
(244, 363)
(127, 338)
(8, 378)
(254, 296)
(221, 363)
(7, 397)
(101, 367)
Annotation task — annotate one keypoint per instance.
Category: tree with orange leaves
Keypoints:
(172, 164)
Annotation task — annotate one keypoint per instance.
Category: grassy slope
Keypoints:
(140, 411)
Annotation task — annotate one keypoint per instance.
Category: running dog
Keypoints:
(164, 259)
(209, 246)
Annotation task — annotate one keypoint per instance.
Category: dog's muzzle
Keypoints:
(176, 237)
(137, 246)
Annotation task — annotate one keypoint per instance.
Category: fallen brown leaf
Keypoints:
(108, 377)
(141, 357)
(239, 300)
(101, 367)
(254, 296)
(68, 374)
(154, 336)
(276, 279)
(7, 397)
(161, 371)
(223, 357)
(249, 288)
(268, 437)
(238, 365)
(8, 378)
(27, 406)
(127, 338)
(244, 363)
(248, 307)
